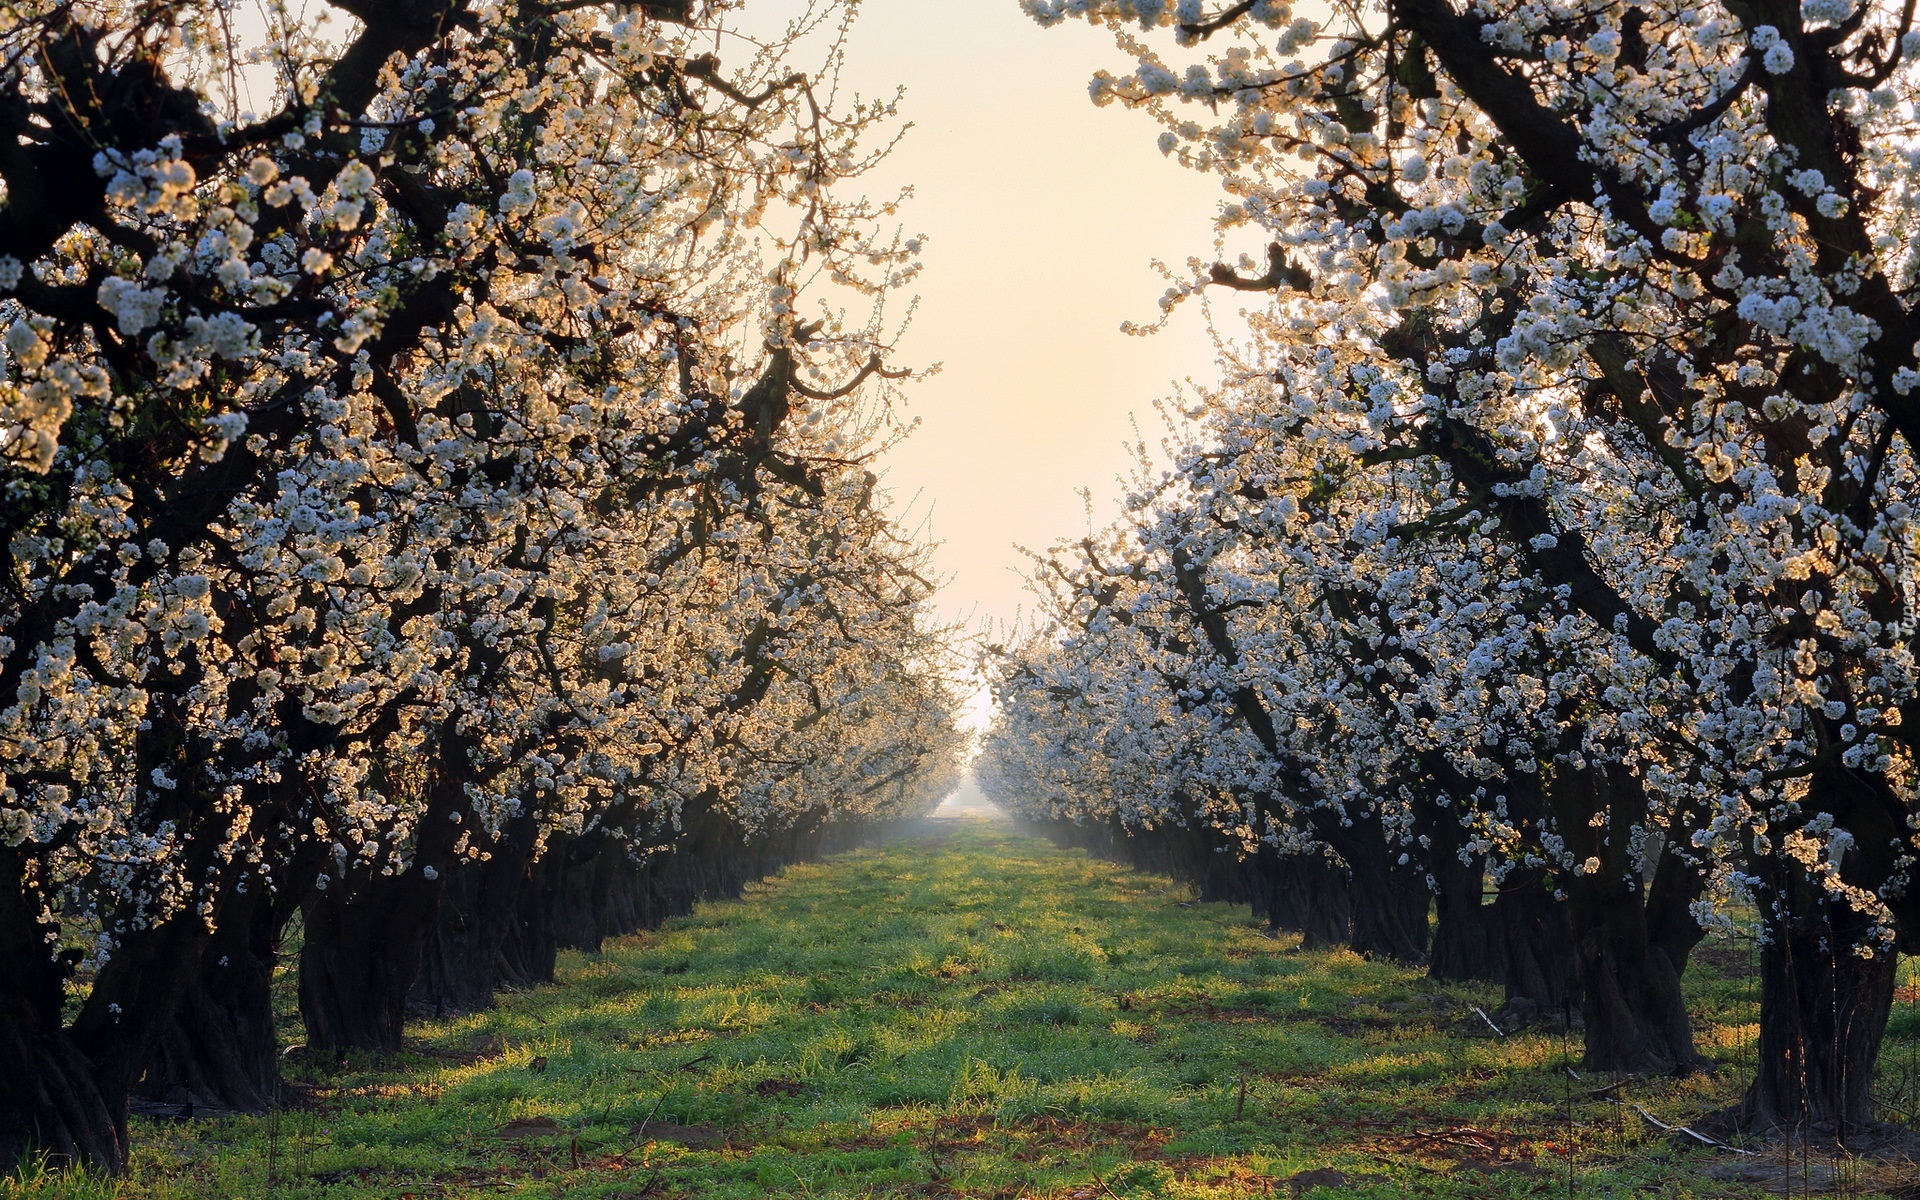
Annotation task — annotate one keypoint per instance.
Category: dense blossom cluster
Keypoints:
(1564, 492)
(443, 448)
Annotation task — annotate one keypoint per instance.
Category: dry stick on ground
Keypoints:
(1695, 1134)
(641, 1129)
(1463, 1136)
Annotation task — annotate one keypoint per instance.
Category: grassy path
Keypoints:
(969, 1013)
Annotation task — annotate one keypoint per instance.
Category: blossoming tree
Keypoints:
(441, 446)
(1629, 285)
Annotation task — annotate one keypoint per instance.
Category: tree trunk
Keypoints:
(1308, 894)
(1468, 938)
(1826, 971)
(464, 960)
(1537, 937)
(365, 938)
(1467, 933)
(1636, 1017)
(1671, 924)
(1823, 1009)
(364, 942)
(1390, 916)
(582, 893)
(1263, 890)
(367, 930)
(52, 1108)
(626, 907)
(1390, 898)
(220, 1051)
(65, 1087)
(531, 950)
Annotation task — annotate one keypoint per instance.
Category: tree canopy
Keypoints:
(1562, 493)
(438, 466)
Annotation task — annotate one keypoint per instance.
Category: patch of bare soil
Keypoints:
(522, 1129)
(1327, 1177)
(693, 1137)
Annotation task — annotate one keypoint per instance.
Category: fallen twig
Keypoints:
(640, 1130)
(1695, 1134)
(1472, 1139)
(1499, 1032)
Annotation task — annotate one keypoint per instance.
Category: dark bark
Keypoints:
(1823, 1010)
(1671, 925)
(531, 949)
(1537, 937)
(1390, 898)
(366, 935)
(589, 890)
(65, 1087)
(1826, 970)
(52, 1107)
(1195, 853)
(587, 894)
(1469, 941)
(220, 1051)
(65, 1090)
(1468, 937)
(464, 959)
(503, 922)
(1308, 894)
(1636, 1017)
(365, 938)
(1221, 873)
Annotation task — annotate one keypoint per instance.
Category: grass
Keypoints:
(971, 1013)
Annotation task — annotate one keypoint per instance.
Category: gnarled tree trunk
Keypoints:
(367, 930)
(364, 941)
(1390, 898)
(1468, 941)
(1823, 1011)
(1537, 936)
(65, 1087)
(464, 959)
(1636, 1017)
(531, 952)
(1305, 894)
(220, 1051)
(52, 1106)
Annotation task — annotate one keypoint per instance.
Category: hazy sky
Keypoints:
(1042, 215)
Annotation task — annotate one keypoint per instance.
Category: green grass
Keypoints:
(969, 1013)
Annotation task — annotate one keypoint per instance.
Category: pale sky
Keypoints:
(1043, 215)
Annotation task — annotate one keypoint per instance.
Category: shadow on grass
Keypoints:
(966, 1012)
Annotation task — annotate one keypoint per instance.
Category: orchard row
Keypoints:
(427, 513)
(1554, 524)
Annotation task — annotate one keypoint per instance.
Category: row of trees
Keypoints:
(427, 514)
(1555, 524)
